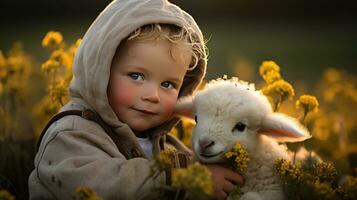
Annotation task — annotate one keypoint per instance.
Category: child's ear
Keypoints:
(184, 107)
(284, 128)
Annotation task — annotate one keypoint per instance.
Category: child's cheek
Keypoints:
(125, 97)
(124, 94)
(169, 107)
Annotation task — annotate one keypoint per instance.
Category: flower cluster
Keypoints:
(278, 92)
(52, 39)
(238, 158)
(16, 71)
(270, 71)
(276, 89)
(325, 172)
(163, 161)
(308, 103)
(85, 193)
(268, 66)
(13, 67)
(195, 180)
(58, 69)
(313, 180)
(50, 65)
(287, 171)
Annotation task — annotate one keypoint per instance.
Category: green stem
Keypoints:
(304, 117)
(277, 105)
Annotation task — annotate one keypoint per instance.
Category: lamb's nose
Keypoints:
(205, 144)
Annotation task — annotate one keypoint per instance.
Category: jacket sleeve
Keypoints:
(88, 157)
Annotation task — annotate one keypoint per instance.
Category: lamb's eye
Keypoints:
(240, 126)
(196, 118)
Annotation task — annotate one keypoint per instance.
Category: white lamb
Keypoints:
(231, 111)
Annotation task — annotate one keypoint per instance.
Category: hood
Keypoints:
(94, 56)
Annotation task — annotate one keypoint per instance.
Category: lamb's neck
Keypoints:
(267, 150)
(260, 175)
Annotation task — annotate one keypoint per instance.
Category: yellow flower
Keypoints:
(332, 75)
(325, 191)
(61, 57)
(268, 66)
(279, 88)
(238, 158)
(308, 103)
(278, 92)
(164, 160)
(195, 179)
(5, 195)
(18, 60)
(85, 193)
(237, 147)
(325, 171)
(174, 132)
(78, 42)
(58, 67)
(350, 91)
(229, 154)
(73, 49)
(15, 64)
(58, 91)
(52, 39)
(286, 170)
(321, 128)
(43, 112)
(50, 65)
(271, 76)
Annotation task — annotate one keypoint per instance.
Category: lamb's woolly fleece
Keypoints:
(218, 108)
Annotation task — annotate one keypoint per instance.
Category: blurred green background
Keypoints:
(303, 37)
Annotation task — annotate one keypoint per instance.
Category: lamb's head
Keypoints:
(231, 111)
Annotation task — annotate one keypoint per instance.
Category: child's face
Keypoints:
(145, 79)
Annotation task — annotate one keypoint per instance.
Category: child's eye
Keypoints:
(136, 76)
(167, 85)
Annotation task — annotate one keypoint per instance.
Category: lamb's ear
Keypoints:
(184, 107)
(284, 128)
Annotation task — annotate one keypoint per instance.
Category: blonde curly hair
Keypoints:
(174, 34)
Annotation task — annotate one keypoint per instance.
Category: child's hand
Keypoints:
(223, 180)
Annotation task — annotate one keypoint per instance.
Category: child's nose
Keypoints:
(151, 94)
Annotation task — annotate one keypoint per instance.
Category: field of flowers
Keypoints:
(32, 90)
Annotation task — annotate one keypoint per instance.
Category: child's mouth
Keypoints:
(145, 111)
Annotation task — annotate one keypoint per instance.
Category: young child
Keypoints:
(134, 62)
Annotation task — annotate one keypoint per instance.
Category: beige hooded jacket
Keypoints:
(77, 152)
